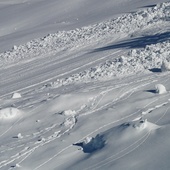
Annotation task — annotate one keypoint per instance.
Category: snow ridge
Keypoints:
(62, 40)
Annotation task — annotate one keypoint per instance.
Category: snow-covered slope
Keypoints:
(84, 84)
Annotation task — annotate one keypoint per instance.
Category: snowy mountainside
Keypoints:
(92, 92)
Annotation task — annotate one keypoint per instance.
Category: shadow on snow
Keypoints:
(139, 42)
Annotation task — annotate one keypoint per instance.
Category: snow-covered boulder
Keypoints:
(91, 144)
(160, 89)
(19, 136)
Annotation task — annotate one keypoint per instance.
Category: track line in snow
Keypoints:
(62, 74)
(110, 158)
(91, 133)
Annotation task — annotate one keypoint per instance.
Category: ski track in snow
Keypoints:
(122, 96)
(77, 65)
(33, 148)
(130, 148)
(25, 86)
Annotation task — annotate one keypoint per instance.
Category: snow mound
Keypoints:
(141, 124)
(121, 135)
(91, 144)
(16, 95)
(19, 136)
(160, 89)
(9, 113)
(63, 40)
(129, 131)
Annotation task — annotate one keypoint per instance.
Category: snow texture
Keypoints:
(87, 93)
(62, 40)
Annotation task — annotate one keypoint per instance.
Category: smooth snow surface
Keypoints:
(84, 84)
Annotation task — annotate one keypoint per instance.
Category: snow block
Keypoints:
(16, 95)
(160, 89)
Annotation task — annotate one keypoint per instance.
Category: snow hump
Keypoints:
(16, 95)
(160, 89)
(91, 144)
(9, 113)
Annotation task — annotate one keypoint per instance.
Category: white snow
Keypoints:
(165, 66)
(62, 40)
(160, 89)
(84, 84)
(9, 113)
(16, 95)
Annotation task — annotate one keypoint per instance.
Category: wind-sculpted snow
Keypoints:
(79, 37)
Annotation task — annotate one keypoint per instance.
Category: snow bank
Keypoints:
(63, 40)
(9, 113)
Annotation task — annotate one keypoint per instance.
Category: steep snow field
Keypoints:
(84, 84)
